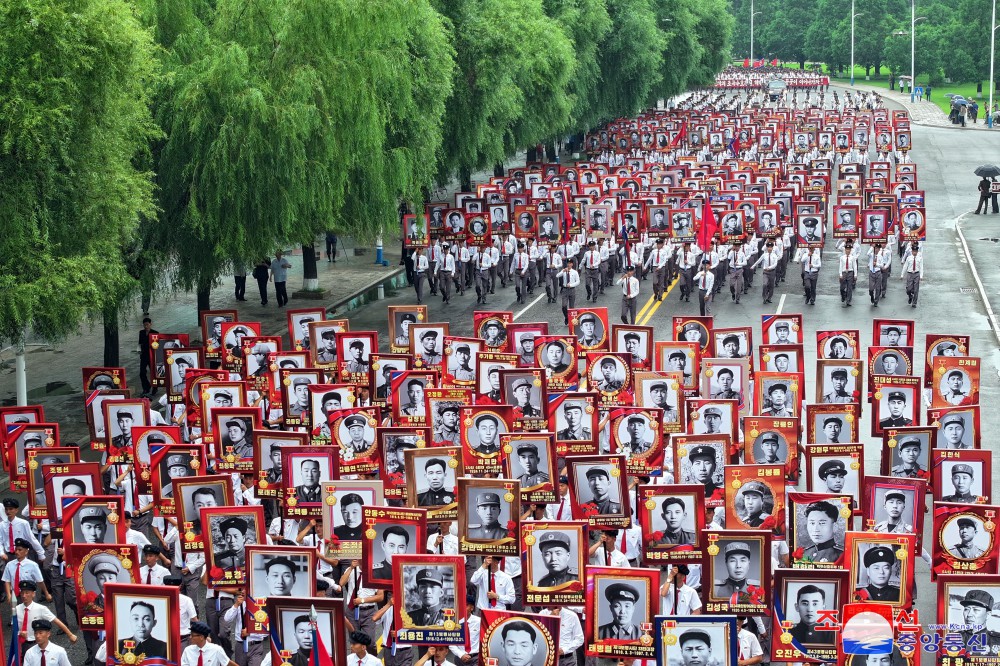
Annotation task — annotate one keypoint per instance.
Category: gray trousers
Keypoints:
(736, 283)
(363, 621)
(810, 282)
(660, 281)
(568, 298)
(913, 286)
(444, 283)
(63, 592)
(482, 283)
(687, 282)
(770, 278)
(875, 285)
(252, 654)
(593, 281)
(521, 281)
(213, 617)
(403, 657)
(418, 285)
(705, 298)
(847, 284)
(628, 310)
(432, 276)
(189, 582)
(552, 283)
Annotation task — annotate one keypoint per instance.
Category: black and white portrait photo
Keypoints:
(595, 485)
(231, 532)
(434, 479)
(556, 357)
(804, 599)
(737, 567)
(520, 390)
(462, 361)
(634, 434)
(609, 375)
(839, 383)
(955, 430)
(674, 518)
(897, 407)
(819, 530)
(838, 347)
(308, 470)
(427, 590)
(520, 641)
(389, 541)
(483, 435)
(356, 436)
(590, 331)
(621, 607)
(486, 514)
(346, 512)
(555, 559)
(770, 448)
(893, 509)
(731, 345)
(573, 421)
(701, 643)
(176, 464)
(530, 463)
(659, 393)
(962, 481)
(836, 475)
(279, 574)
(142, 620)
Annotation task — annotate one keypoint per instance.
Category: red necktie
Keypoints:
(24, 623)
(201, 658)
(17, 579)
(607, 556)
(10, 537)
(149, 576)
(621, 541)
(43, 658)
(503, 565)
(493, 588)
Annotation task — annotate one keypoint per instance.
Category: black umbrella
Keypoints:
(988, 171)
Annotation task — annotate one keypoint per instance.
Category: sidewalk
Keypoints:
(922, 112)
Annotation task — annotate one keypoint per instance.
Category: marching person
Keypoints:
(446, 273)
(705, 279)
(592, 271)
(420, 268)
(737, 260)
(686, 260)
(434, 255)
(875, 274)
(553, 265)
(913, 270)
(658, 259)
(520, 268)
(630, 295)
(769, 260)
(569, 280)
(811, 263)
(484, 263)
(848, 271)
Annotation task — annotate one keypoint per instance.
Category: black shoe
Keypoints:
(913, 305)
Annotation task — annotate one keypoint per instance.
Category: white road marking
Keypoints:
(528, 307)
(979, 283)
(781, 304)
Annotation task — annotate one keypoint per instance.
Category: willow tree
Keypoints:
(285, 119)
(75, 121)
(511, 87)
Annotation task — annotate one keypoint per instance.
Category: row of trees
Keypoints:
(145, 142)
(952, 38)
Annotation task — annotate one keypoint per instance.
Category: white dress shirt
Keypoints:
(618, 558)
(54, 656)
(705, 280)
(769, 260)
(22, 530)
(155, 575)
(368, 660)
(811, 263)
(570, 630)
(474, 624)
(36, 611)
(848, 263)
(688, 601)
(553, 260)
(630, 287)
(502, 585)
(749, 645)
(420, 264)
(187, 614)
(913, 264)
(211, 654)
(561, 511)
(570, 278)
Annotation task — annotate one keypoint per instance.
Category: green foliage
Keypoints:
(586, 23)
(74, 120)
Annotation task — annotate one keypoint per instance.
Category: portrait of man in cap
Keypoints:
(770, 448)
(658, 394)
(174, 465)
(622, 612)
(955, 388)
(675, 521)
(140, 617)
(740, 561)
(102, 569)
(966, 483)
(781, 333)
(357, 355)
(460, 365)
(694, 331)
(878, 570)
(356, 436)
(779, 400)
(634, 345)
(608, 376)
(494, 333)
(570, 420)
(326, 353)
(402, 328)
(432, 595)
(805, 601)
(758, 502)
(228, 552)
(820, 521)
(487, 515)
(703, 644)
(701, 468)
(809, 230)
(908, 450)
(524, 395)
(953, 431)
(837, 387)
(594, 485)
(236, 434)
(973, 608)
(90, 525)
(300, 324)
(838, 348)
(178, 371)
(966, 538)
(590, 331)
(895, 511)
(896, 409)
(832, 477)
(297, 400)
(530, 465)
(634, 435)
(558, 552)
(888, 363)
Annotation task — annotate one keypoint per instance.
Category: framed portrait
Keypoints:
(875, 223)
(431, 590)
(893, 333)
(783, 329)
(845, 221)
(906, 452)
(323, 342)
(298, 321)
(490, 521)
(68, 480)
(957, 381)
(957, 427)
(427, 344)
(590, 327)
(781, 358)
(432, 480)
(733, 226)
(733, 343)
(414, 231)
(942, 345)
(442, 413)
(574, 419)
(681, 357)
(755, 497)
(353, 431)
(727, 379)
(636, 342)
(712, 417)
(305, 469)
(817, 525)
(220, 395)
(233, 333)
(610, 375)
(390, 532)
(195, 382)
(661, 390)
(119, 416)
(491, 329)
(672, 519)
(599, 219)
(488, 367)
(635, 433)
(556, 354)
(838, 381)
(694, 329)
(894, 506)
(379, 379)
(970, 600)
(103, 379)
(832, 424)
(343, 503)
(769, 220)
(257, 367)
(837, 345)
(354, 350)
(530, 458)
(700, 460)
(14, 418)
(520, 638)
(279, 571)
(962, 476)
(142, 620)
(291, 624)
(393, 443)
(621, 604)
(809, 230)
(211, 331)
(522, 341)
(599, 491)
(896, 403)
(481, 428)
(698, 639)
(525, 221)
(459, 368)
(169, 462)
(524, 389)
(93, 519)
(191, 495)
(233, 428)
(145, 436)
(401, 317)
(500, 222)
(738, 574)
(881, 567)
(53, 458)
(268, 461)
(229, 530)
(769, 440)
(554, 562)
(914, 223)
(407, 388)
(95, 567)
(808, 604)
(835, 468)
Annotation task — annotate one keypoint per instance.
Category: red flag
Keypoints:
(774, 63)
(567, 219)
(319, 657)
(709, 225)
(680, 135)
(746, 62)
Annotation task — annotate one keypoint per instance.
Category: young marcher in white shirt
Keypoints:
(201, 652)
(44, 653)
(27, 612)
(360, 643)
(495, 589)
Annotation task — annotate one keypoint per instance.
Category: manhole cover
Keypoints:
(966, 290)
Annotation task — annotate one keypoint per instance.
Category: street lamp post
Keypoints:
(752, 14)
(993, 39)
(853, 16)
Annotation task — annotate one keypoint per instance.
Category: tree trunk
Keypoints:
(111, 356)
(204, 299)
(550, 152)
(532, 154)
(802, 63)
(310, 277)
(465, 180)
(868, 70)
(498, 170)
(878, 69)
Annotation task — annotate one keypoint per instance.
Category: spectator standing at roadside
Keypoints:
(260, 273)
(984, 196)
(279, 273)
(144, 333)
(331, 247)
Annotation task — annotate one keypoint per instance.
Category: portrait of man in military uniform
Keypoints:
(953, 431)
(725, 386)
(838, 388)
(326, 354)
(675, 521)
(461, 366)
(393, 540)
(521, 392)
(487, 515)
(401, 330)
(136, 620)
(758, 502)
(357, 355)
(356, 436)
(558, 553)
(306, 476)
(484, 434)
(531, 465)
(229, 552)
(804, 602)
(121, 426)
(445, 423)
(832, 477)
(90, 525)
(633, 345)
(594, 486)
(895, 512)
(412, 403)
(700, 467)
(427, 347)
(973, 607)
(570, 422)
(770, 448)
(181, 364)
(736, 567)
(236, 434)
(911, 463)
(432, 596)
(658, 394)
(712, 421)
(972, 540)
(779, 402)
(494, 333)
(435, 481)
(621, 613)
(838, 348)
(634, 435)
(896, 410)
(816, 527)
(955, 388)
(878, 571)
(173, 466)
